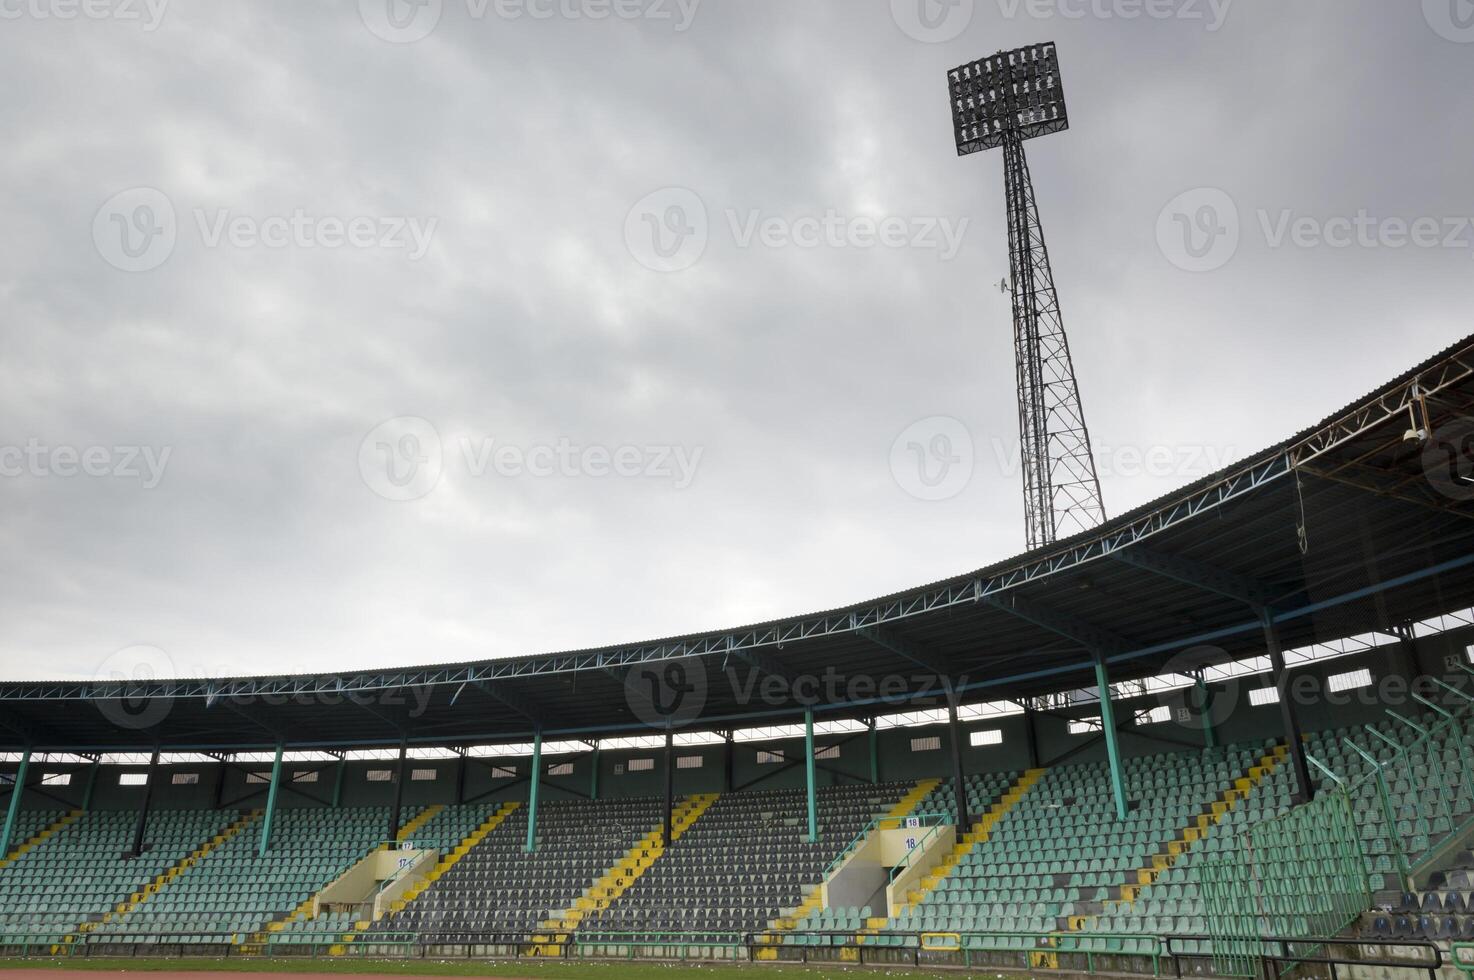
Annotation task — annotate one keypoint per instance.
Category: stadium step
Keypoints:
(907, 804)
(163, 878)
(1213, 813)
(446, 862)
(980, 831)
(407, 831)
(617, 879)
(813, 899)
(1168, 852)
(450, 860)
(50, 830)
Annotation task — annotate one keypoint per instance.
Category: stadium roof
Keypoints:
(1344, 528)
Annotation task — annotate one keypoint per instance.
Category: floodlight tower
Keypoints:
(1003, 100)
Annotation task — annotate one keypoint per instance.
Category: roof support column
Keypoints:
(809, 774)
(270, 816)
(670, 784)
(1205, 709)
(594, 773)
(1031, 733)
(148, 794)
(92, 784)
(460, 777)
(1108, 727)
(338, 782)
(959, 782)
(1289, 718)
(874, 741)
(398, 791)
(727, 754)
(534, 779)
(17, 790)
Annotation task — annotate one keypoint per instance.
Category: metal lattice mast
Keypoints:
(1061, 489)
(1001, 101)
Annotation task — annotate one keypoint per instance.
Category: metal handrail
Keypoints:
(874, 823)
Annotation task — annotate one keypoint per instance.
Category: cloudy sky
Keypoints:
(343, 334)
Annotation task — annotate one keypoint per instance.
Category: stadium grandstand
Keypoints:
(1223, 733)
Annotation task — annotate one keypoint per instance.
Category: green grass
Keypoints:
(589, 970)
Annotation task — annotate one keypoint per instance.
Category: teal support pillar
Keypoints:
(535, 777)
(91, 785)
(1205, 709)
(809, 773)
(594, 773)
(874, 754)
(1108, 727)
(17, 790)
(338, 783)
(271, 793)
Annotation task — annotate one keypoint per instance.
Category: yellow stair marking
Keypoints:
(615, 881)
(50, 830)
(1202, 825)
(257, 940)
(1189, 835)
(165, 877)
(813, 899)
(446, 862)
(908, 803)
(980, 831)
(406, 831)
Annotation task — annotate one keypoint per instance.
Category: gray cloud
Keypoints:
(529, 321)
